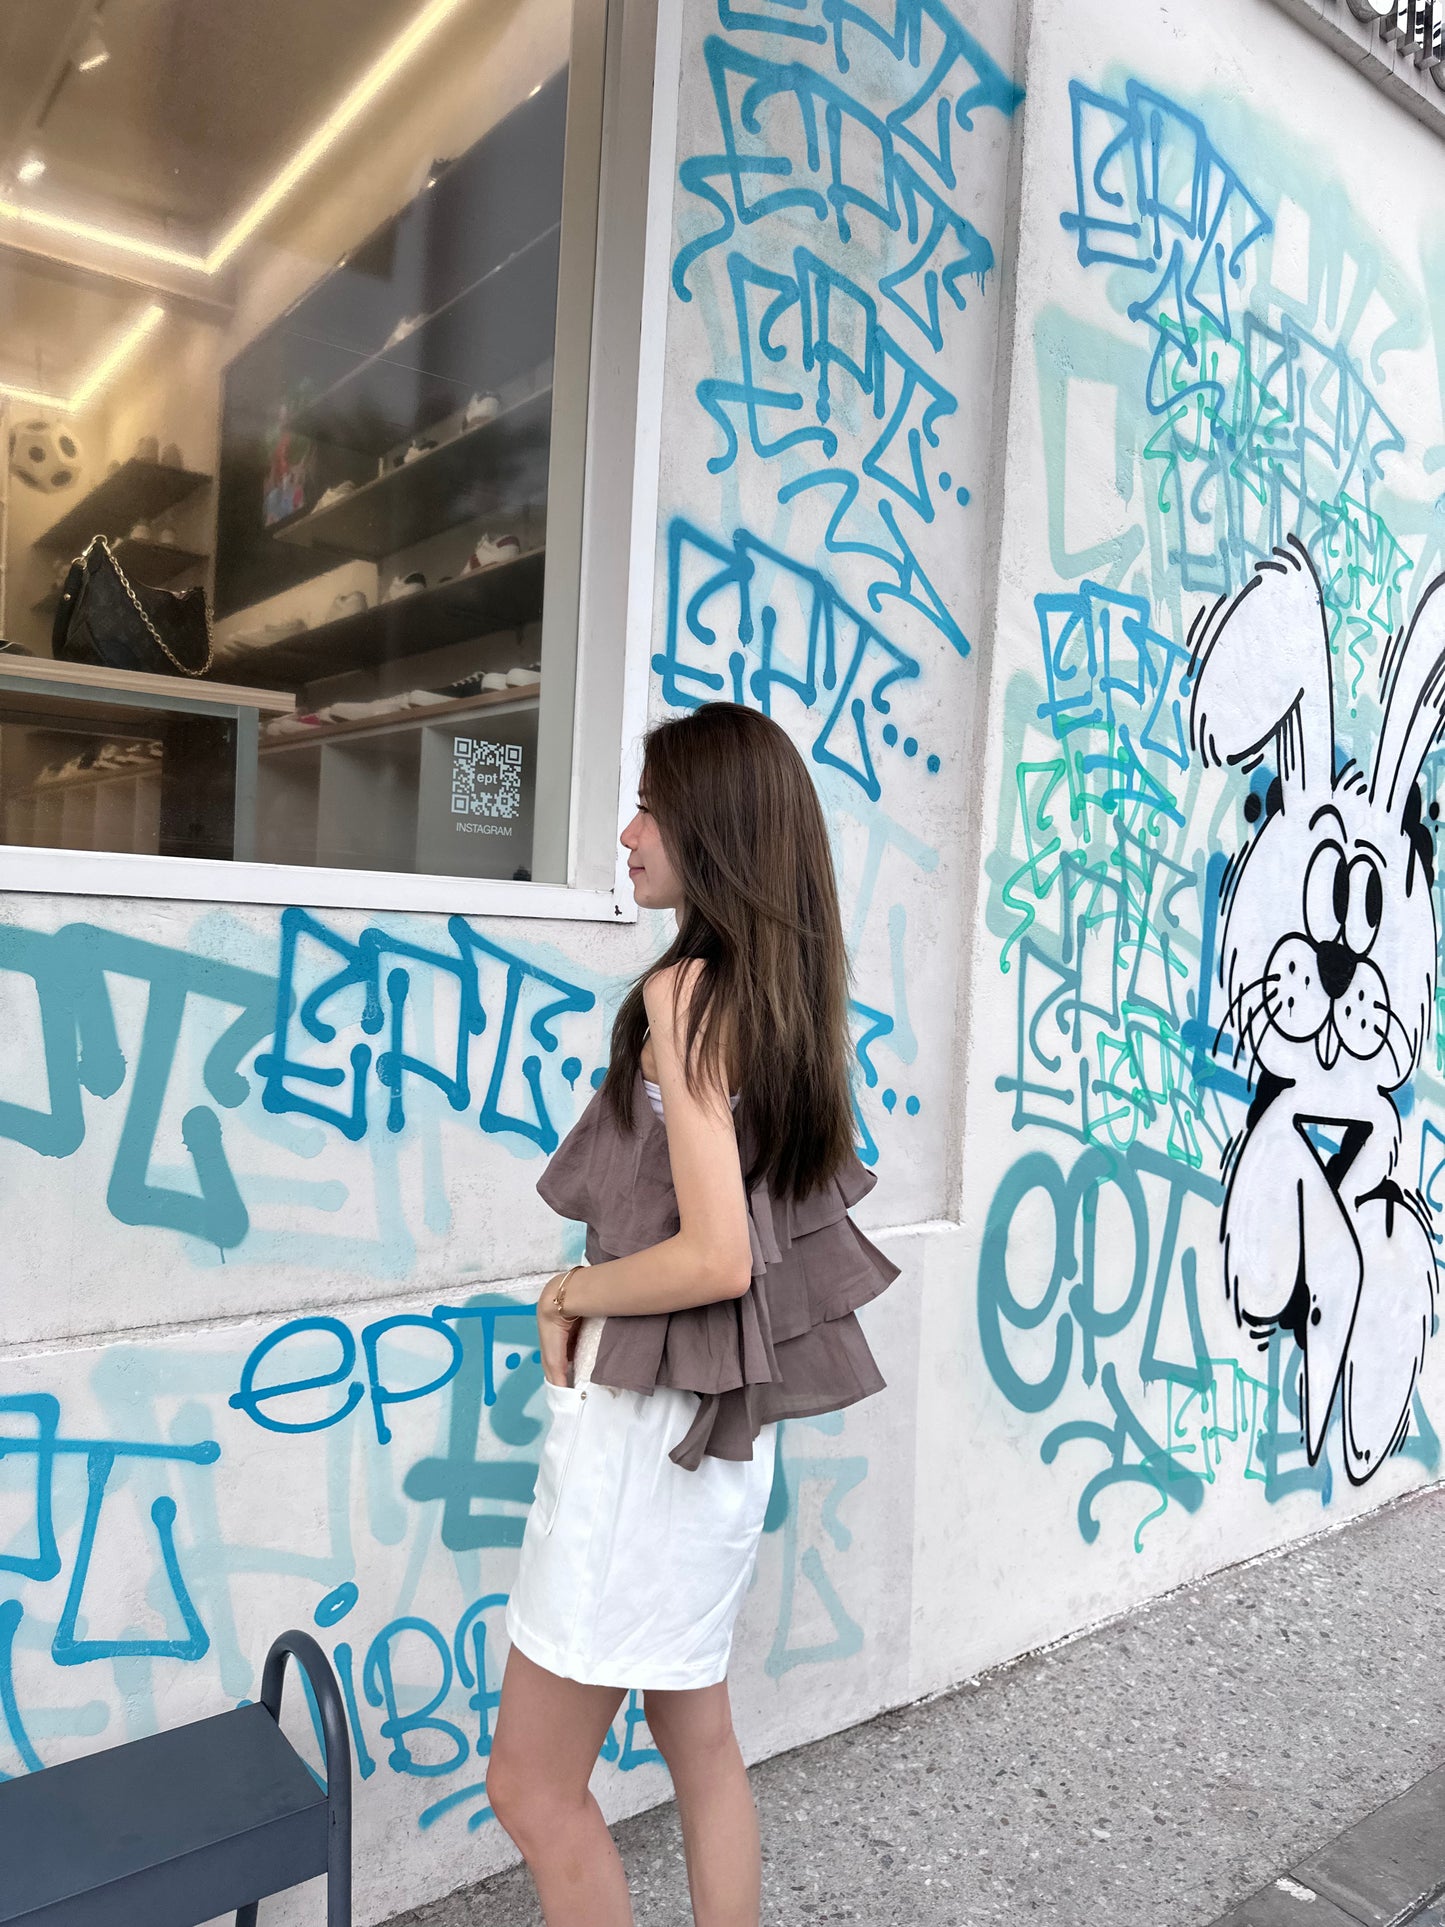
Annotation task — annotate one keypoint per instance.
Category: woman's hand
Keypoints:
(556, 1334)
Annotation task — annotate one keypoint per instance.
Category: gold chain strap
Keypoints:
(157, 638)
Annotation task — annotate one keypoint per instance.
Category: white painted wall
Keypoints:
(1105, 1446)
(172, 1204)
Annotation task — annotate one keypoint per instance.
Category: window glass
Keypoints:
(280, 380)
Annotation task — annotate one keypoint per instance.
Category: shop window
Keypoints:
(295, 315)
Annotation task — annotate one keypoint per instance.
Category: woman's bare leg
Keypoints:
(694, 1734)
(548, 1735)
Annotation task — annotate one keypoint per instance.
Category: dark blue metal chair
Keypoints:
(178, 1828)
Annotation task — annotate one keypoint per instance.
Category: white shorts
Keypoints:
(632, 1570)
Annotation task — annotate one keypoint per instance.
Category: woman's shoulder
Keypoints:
(666, 993)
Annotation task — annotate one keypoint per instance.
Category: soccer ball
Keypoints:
(45, 455)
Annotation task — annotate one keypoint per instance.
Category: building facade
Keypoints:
(935, 376)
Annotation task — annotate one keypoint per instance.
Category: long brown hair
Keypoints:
(742, 827)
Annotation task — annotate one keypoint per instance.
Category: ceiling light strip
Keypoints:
(111, 361)
(105, 237)
(117, 355)
(344, 115)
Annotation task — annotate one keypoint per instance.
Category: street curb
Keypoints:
(1382, 1872)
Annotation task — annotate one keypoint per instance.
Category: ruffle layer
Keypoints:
(789, 1347)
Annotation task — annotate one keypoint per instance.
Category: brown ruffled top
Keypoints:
(790, 1347)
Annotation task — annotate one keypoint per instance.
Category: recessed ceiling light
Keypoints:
(93, 51)
(30, 168)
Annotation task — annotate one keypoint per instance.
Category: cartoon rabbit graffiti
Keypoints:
(1327, 960)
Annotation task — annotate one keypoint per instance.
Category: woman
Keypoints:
(713, 1169)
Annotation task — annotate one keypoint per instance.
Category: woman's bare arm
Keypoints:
(709, 1257)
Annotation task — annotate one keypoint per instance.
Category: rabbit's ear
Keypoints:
(1413, 692)
(1262, 677)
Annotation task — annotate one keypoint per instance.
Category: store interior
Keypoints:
(279, 321)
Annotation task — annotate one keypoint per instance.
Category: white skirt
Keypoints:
(632, 1570)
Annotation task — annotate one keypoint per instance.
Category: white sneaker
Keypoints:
(416, 450)
(424, 698)
(480, 409)
(292, 725)
(356, 712)
(408, 324)
(351, 602)
(495, 679)
(405, 585)
(491, 550)
(333, 495)
(524, 678)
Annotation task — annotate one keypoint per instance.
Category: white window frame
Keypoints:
(640, 43)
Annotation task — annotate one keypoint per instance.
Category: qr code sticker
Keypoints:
(486, 778)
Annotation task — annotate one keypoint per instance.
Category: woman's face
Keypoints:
(654, 881)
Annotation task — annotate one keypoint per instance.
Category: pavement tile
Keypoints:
(1394, 1858)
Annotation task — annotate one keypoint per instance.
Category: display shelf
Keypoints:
(90, 779)
(119, 810)
(137, 492)
(490, 699)
(151, 563)
(500, 464)
(506, 596)
(85, 684)
(406, 388)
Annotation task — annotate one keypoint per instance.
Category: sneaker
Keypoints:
(494, 680)
(141, 532)
(351, 602)
(333, 495)
(424, 698)
(415, 451)
(408, 324)
(359, 712)
(490, 550)
(292, 725)
(525, 678)
(480, 409)
(405, 585)
(463, 686)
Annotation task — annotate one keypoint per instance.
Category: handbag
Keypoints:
(106, 619)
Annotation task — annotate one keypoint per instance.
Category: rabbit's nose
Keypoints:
(1337, 967)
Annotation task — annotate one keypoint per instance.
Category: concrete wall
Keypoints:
(952, 460)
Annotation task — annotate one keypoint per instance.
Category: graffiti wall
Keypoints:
(267, 1354)
(1051, 441)
(1205, 1129)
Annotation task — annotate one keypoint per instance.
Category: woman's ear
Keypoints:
(1262, 677)
(1412, 678)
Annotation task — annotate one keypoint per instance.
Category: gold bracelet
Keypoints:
(566, 1280)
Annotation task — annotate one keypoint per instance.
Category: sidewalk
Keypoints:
(1153, 1774)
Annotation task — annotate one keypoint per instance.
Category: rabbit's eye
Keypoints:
(1366, 905)
(1327, 893)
